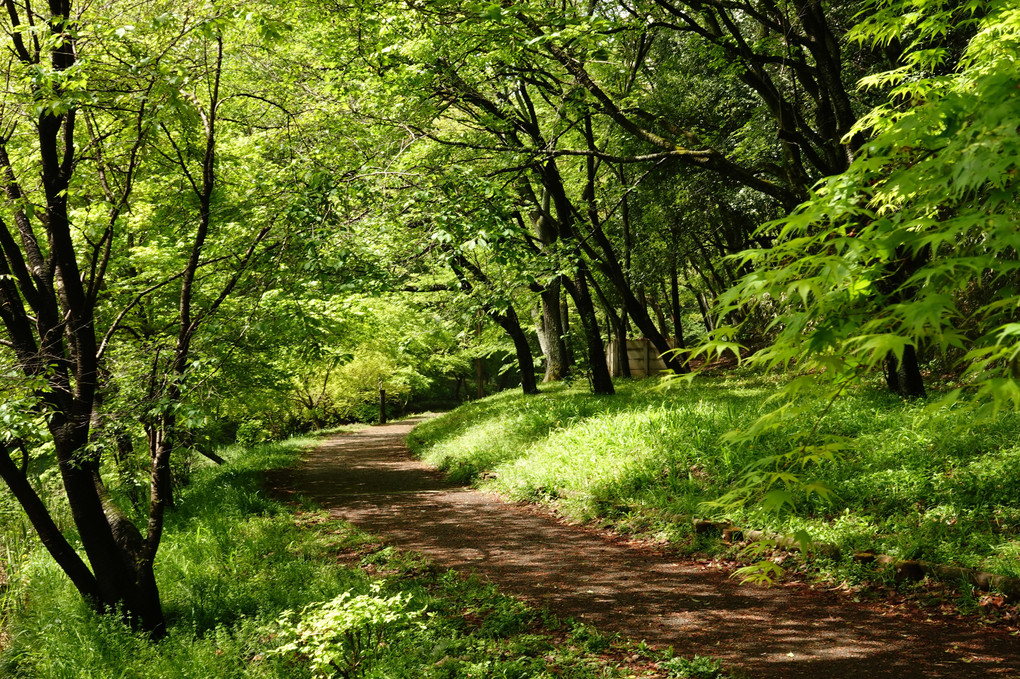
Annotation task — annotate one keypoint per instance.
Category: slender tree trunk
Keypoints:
(674, 303)
(705, 308)
(525, 362)
(49, 534)
(568, 352)
(602, 382)
(660, 317)
(622, 336)
(552, 332)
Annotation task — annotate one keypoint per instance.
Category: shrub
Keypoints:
(342, 636)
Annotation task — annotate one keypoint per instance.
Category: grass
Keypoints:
(911, 483)
(237, 568)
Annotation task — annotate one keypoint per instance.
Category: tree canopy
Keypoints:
(239, 221)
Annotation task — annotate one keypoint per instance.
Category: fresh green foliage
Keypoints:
(318, 360)
(908, 481)
(915, 245)
(273, 214)
(342, 636)
(911, 250)
(698, 667)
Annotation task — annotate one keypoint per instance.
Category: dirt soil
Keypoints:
(369, 478)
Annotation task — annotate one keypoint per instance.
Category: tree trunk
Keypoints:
(601, 381)
(508, 320)
(525, 362)
(674, 303)
(705, 308)
(660, 317)
(568, 352)
(904, 377)
(618, 329)
(610, 266)
(550, 329)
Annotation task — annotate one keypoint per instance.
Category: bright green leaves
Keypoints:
(488, 11)
(916, 244)
(775, 483)
(920, 25)
(914, 247)
(344, 635)
(762, 572)
(54, 88)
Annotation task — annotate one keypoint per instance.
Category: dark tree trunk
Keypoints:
(568, 352)
(525, 361)
(49, 534)
(621, 337)
(904, 377)
(674, 303)
(601, 381)
(508, 320)
(892, 373)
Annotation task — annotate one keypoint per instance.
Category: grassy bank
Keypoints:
(910, 483)
(243, 576)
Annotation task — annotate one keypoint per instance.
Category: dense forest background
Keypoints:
(234, 222)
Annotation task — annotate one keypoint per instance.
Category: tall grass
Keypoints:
(913, 483)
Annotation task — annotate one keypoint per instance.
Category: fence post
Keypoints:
(479, 368)
(382, 403)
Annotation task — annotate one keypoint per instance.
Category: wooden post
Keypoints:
(479, 368)
(382, 403)
(648, 358)
(479, 378)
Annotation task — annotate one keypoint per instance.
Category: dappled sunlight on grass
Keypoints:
(912, 482)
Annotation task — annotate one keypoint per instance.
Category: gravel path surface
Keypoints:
(369, 479)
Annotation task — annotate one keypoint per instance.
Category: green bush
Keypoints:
(252, 433)
(698, 667)
(342, 636)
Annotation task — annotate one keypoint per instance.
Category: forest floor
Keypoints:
(618, 585)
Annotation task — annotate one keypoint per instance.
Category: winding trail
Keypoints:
(369, 478)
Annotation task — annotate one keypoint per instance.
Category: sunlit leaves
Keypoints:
(936, 185)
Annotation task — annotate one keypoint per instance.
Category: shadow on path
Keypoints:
(369, 479)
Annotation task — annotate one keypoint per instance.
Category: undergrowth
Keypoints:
(253, 588)
(912, 483)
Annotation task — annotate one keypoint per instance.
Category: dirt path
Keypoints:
(369, 479)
